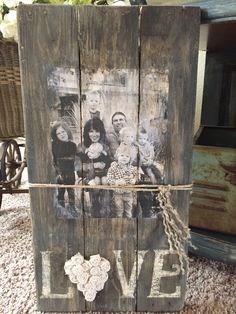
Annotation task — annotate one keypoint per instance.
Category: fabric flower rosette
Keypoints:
(90, 275)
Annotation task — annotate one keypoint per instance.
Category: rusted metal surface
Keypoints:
(213, 201)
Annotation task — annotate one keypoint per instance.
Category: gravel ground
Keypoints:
(211, 286)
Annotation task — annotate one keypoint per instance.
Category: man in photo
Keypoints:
(119, 121)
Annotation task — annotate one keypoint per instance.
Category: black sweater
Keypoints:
(64, 155)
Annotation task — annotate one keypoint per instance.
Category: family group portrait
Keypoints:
(104, 139)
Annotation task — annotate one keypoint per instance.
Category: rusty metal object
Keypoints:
(213, 201)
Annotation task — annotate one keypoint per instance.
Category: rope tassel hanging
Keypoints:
(178, 234)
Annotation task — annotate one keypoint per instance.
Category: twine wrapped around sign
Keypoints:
(178, 234)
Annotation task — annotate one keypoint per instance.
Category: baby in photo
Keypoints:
(146, 157)
(121, 172)
(96, 152)
(128, 138)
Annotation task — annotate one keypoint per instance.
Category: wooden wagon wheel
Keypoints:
(10, 162)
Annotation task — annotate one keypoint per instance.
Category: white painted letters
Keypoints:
(159, 273)
(128, 286)
(46, 280)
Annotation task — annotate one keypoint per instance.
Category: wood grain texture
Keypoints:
(46, 42)
(109, 47)
(170, 49)
(211, 9)
(108, 52)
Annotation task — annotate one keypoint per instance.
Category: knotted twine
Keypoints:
(178, 234)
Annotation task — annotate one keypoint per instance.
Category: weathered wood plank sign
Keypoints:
(109, 98)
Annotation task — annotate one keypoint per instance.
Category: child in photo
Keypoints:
(121, 172)
(157, 135)
(97, 153)
(64, 150)
(128, 138)
(93, 105)
(146, 157)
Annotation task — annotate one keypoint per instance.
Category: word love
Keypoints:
(128, 285)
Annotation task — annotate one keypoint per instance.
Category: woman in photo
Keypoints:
(64, 150)
(94, 154)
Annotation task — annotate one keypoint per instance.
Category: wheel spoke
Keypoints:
(7, 156)
(10, 151)
(14, 152)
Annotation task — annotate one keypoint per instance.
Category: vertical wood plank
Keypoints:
(109, 66)
(169, 48)
(47, 43)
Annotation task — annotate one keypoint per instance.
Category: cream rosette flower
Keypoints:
(103, 276)
(88, 286)
(94, 279)
(95, 271)
(95, 260)
(82, 277)
(80, 287)
(67, 267)
(73, 278)
(97, 282)
(77, 269)
(105, 265)
(90, 295)
(86, 266)
(77, 258)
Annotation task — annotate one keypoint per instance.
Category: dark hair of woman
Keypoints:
(97, 125)
(63, 125)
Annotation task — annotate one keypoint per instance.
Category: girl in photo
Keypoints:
(64, 150)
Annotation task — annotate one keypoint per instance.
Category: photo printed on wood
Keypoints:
(153, 124)
(65, 137)
(105, 138)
